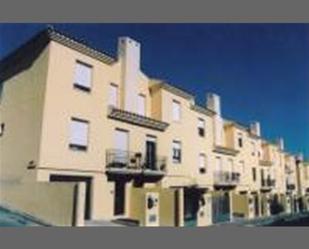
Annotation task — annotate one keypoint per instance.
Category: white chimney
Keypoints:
(255, 128)
(213, 103)
(129, 57)
(280, 143)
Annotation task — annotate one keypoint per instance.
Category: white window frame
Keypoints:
(230, 165)
(240, 137)
(113, 95)
(253, 147)
(242, 167)
(219, 165)
(201, 125)
(176, 152)
(79, 134)
(202, 163)
(176, 110)
(82, 76)
(141, 104)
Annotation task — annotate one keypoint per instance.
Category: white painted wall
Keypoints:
(129, 57)
(213, 103)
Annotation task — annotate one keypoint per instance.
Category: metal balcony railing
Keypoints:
(290, 186)
(226, 178)
(136, 119)
(128, 162)
(268, 183)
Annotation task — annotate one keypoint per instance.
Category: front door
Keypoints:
(119, 197)
(191, 206)
(221, 207)
(151, 151)
(256, 205)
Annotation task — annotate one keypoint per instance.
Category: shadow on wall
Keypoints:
(22, 58)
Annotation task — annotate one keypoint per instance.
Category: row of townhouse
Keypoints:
(140, 150)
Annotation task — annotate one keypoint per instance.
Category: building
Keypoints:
(85, 136)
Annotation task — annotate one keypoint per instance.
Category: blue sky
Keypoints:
(261, 71)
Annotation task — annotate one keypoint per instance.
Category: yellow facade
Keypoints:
(203, 163)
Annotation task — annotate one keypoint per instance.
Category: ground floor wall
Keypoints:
(147, 203)
(59, 204)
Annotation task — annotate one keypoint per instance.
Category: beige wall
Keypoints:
(166, 205)
(52, 203)
(21, 107)
(39, 103)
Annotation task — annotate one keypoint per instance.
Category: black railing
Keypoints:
(268, 182)
(134, 161)
(226, 178)
(136, 119)
(290, 186)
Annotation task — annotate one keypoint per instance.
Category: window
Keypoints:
(121, 145)
(240, 140)
(201, 127)
(141, 104)
(113, 95)
(79, 134)
(218, 164)
(253, 149)
(242, 167)
(230, 165)
(254, 174)
(202, 163)
(82, 77)
(176, 152)
(121, 140)
(2, 129)
(176, 110)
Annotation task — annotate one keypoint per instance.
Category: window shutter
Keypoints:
(176, 111)
(141, 105)
(82, 75)
(201, 123)
(79, 133)
(113, 96)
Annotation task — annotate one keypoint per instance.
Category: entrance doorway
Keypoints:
(191, 206)
(151, 152)
(86, 180)
(256, 205)
(119, 197)
(221, 207)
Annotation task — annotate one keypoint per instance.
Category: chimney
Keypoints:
(213, 103)
(255, 128)
(280, 143)
(129, 58)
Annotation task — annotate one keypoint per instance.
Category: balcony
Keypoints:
(134, 163)
(290, 186)
(265, 162)
(226, 178)
(225, 150)
(267, 184)
(136, 119)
